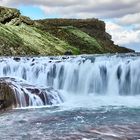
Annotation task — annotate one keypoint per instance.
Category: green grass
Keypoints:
(32, 41)
(77, 38)
(82, 35)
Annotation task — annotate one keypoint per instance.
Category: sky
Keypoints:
(122, 17)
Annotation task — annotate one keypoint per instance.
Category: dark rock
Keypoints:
(16, 59)
(34, 90)
(15, 93)
(2, 104)
(7, 96)
(33, 60)
(64, 58)
(32, 64)
(69, 52)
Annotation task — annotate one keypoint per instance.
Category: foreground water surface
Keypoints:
(105, 123)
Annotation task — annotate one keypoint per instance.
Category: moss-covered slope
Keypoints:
(78, 39)
(26, 40)
(93, 28)
(19, 35)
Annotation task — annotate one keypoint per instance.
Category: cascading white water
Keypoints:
(99, 75)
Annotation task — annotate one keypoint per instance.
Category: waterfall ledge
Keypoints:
(18, 93)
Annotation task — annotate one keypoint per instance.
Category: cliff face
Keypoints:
(78, 32)
(19, 35)
(12, 16)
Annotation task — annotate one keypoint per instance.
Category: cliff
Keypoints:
(19, 35)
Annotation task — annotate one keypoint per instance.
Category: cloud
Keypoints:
(134, 46)
(78, 8)
(136, 27)
(123, 36)
(129, 19)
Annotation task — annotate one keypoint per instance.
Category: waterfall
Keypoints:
(99, 75)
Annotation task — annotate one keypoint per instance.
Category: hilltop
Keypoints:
(19, 35)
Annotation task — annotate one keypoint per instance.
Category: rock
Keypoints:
(18, 93)
(92, 23)
(26, 20)
(7, 96)
(6, 14)
(16, 59)
(12, 16)
(69, 52)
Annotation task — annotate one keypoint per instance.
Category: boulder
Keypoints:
(17, 93)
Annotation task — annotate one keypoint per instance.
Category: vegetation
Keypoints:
(23, 39)
(77, 38)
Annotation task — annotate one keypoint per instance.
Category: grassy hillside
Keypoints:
(66, 29)
(78, 39)
(23, 39)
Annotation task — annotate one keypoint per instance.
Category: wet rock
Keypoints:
(16, 59)
(32, 64)
(17, 93)
(7, 96)
(33, 60)
(64, 58)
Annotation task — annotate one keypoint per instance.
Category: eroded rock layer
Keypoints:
(18, 93)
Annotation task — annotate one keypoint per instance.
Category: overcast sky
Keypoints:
(122, 17)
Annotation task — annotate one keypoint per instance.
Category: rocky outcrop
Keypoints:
(12, 16)
(18, 93)
(91, 24)
(19, 35)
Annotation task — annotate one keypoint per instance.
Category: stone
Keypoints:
(69, 52)
(16, 93)
(12, 16)
(16, 59)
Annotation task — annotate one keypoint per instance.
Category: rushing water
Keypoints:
(101, 96)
